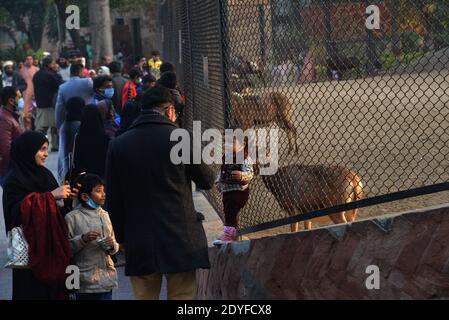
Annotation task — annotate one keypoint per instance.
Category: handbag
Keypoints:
(17, 250)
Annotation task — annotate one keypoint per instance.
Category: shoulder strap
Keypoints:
(72, 154)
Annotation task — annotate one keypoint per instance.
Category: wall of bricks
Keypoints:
(410, 249)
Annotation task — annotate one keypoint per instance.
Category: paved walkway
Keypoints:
(212, 225)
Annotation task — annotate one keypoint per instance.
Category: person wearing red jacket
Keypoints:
(130, 88)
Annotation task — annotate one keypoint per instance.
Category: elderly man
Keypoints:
(11, 78)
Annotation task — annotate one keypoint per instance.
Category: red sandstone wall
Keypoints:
(411, 251)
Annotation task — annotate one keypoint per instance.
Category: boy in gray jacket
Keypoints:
(92, 241)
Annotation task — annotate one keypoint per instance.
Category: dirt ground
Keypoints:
(392, 130)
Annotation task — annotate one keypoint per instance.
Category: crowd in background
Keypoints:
(54, 94)
(62, 106)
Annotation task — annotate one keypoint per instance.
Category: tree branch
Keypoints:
(11, 33)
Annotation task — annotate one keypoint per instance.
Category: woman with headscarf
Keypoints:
(91, 143)
(68, 130)
(30, 198)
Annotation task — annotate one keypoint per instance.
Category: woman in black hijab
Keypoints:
(28, 175)
(91, 143)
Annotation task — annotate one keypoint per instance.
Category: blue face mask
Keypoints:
(109, 93)
(92, 204)
(20, 104)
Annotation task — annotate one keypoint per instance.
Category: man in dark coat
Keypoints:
(151, 205)
(46, 84)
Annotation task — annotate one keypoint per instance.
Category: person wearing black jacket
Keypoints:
(118, 82)
(149, 199)
(46, 84)
(91, 143)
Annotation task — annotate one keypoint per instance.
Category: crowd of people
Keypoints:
(116, 188)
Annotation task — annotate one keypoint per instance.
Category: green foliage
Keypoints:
(441, 40)
(18, 54)
(321, 72)
(130, 5)
(388, 59)
(411, 41)
(410, 57)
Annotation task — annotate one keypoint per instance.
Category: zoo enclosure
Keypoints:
(371, 99)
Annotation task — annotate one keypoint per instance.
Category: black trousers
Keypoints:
(233, 202)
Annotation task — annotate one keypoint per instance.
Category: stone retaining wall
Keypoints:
(410, 249)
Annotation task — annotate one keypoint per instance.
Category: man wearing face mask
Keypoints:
(10, 128)
(11, 78)
(103, 89)
(150, 202)
(130, 89)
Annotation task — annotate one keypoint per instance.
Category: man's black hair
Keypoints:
(168, 80)
(8, 93)
(88, 182)
(155, 53)
(47, 61)
(155, 97)
(149, 78)
(115, 67)
(139, 58)
(100, 81)
(167, 67)
(75, 69)
(135, 73)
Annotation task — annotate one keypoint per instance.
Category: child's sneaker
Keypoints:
(229, 235)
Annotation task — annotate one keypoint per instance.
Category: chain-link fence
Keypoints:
(360, 88)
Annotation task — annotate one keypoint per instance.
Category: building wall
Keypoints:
(148, 30)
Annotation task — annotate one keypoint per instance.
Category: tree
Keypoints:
(5, 26)
(101, 27)
(395, 40)
(26, 16)
(78, 41)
